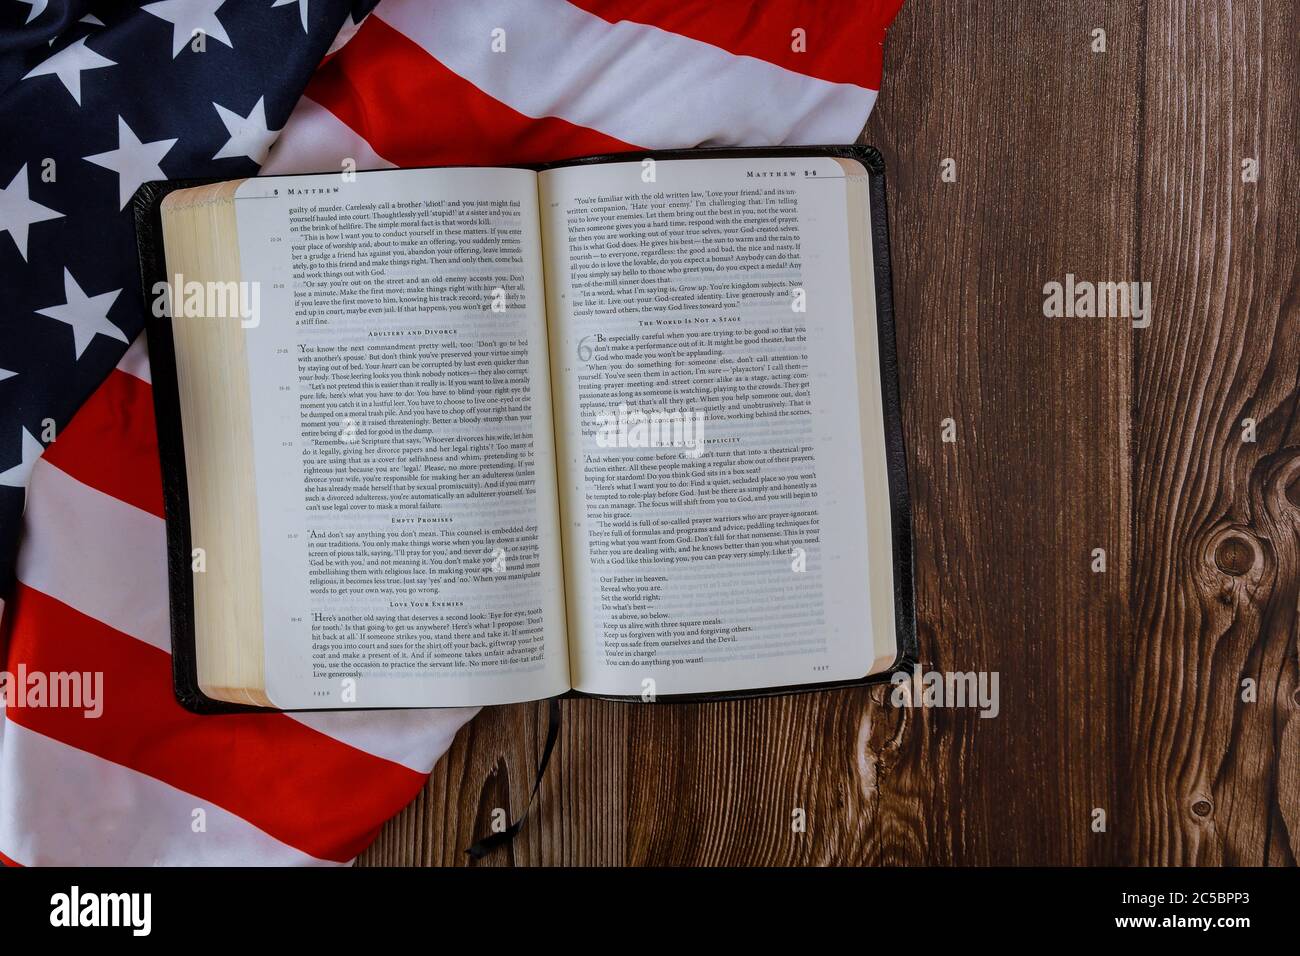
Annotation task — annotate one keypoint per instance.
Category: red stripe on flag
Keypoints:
(413, 111)
(111, 444)
(308, 790)
(8, 862)
(842, 40)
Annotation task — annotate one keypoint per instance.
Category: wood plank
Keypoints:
(1216, 780)
(492, 764)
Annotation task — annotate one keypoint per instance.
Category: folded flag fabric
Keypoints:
(97, 98)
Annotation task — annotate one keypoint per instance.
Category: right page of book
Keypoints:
(720, 439)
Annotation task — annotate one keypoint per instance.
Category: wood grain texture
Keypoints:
(1120, 691)
(1216, 523)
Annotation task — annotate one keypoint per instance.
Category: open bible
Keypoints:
(624, 426)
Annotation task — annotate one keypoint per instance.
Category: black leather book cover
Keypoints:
(162, 359)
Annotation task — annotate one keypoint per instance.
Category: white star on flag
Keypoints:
(5, 373)
(248, 134)
(188, 16)
(302, 9)
(18, 475)
(134, 162)
(38, 7)
(68, 65)
(88, 315)
(17, 212)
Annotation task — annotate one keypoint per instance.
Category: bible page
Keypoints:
(724, 499)
(403, 442)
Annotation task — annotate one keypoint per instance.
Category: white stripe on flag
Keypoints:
(628, 80)
(102, 556)
(413, 738)
(315, 140)
(136, 359)
(60, 806)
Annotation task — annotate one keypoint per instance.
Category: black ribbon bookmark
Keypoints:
(490, 842)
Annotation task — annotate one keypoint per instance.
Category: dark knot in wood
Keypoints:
(1234, 556)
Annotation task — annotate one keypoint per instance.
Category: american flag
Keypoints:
(97, 98)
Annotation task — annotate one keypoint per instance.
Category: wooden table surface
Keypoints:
(1120, 691)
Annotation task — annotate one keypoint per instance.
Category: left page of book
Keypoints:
(403, 446)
